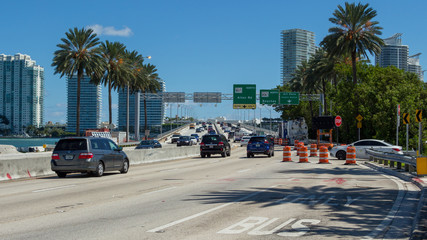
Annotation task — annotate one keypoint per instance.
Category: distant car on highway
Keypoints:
(196, 136)
(244, 141)
(148, 144)
(184, 141)
(193, 140)
(340, 152)
(88, 155)
(175, 137)
(260, 145)
(214, 144)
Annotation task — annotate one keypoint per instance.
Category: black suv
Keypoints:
(260, 145)
(214, 144)
(88, 155)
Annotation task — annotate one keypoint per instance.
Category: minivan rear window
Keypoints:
(71, 144)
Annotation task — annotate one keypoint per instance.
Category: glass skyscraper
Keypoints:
(297, 47)
(21, 92)
(90, 104)
(155, 110)
(394, 53)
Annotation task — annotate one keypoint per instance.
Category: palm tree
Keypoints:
(151, 84)
(116, 72)
(355, 33)
(135, 61)
(78, 54)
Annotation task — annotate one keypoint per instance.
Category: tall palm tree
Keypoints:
(78, 54)
(151, 84)
(355, 33)
(135, 61)
(116, 72)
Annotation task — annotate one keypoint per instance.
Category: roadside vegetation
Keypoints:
(341, 71)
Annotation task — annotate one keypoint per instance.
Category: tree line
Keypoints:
(109, 63)
(340, 70)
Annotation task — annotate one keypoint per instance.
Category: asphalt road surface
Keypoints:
(212, 198)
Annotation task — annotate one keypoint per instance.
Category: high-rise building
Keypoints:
(394, 53)
(155, 110)
(297, 47)
(90, 104)
(414, 66)
(21, 92)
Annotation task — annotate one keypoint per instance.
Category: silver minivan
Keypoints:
(88, 155)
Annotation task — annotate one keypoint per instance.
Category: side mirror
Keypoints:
(119, 149)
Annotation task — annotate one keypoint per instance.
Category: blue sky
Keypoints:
(197, 46)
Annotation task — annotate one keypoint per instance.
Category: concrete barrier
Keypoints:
(24, 165)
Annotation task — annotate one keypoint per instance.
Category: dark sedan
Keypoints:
(184, 141)
(148, 144)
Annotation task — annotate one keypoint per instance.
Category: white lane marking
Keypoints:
(244, 170)
(161, 190)
(392, 213)
(54, 188)
(169, 170)
(207, 211)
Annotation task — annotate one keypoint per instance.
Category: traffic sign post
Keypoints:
(359, 119)
(338, 122)
(406, 121)
(244, 96)
(269, 97)
(289, 98)
(419, 119)
(398, 125)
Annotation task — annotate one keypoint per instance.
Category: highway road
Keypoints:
(212, 198)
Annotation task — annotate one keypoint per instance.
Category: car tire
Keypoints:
(248, 155)
(272, 153)
(229, 153)
(203, 155)
(341, 155)
(61, 174)
(223, 154)
(209, 155)
(99, 171)
(125, 167)
(269, 154)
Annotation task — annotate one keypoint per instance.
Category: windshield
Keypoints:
(211, 138)
(146, 142)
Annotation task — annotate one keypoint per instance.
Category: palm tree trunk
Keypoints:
(110, 111)
(79, 76)
(145, 117)
(324, 97)
(353, 63)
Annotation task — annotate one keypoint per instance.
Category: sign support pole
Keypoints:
(398, 125)
(407, 136)
(420, 140)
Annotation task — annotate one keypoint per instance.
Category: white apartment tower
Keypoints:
(394, 53)
(297, 47)
(21, 92)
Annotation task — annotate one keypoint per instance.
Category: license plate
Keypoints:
(69, 157)
(257, 145)
(211, 146)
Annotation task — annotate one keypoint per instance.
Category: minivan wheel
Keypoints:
(125, 167)
(223, 154)
(61, 174)
(229, 153)
(99, 170)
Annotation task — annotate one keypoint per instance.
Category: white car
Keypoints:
(193, 140)
(340, 152)
(244, 140)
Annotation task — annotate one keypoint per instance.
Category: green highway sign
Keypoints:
(269, 97)
(244, 96)
(289, 98)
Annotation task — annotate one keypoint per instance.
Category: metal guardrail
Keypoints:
(392, 159)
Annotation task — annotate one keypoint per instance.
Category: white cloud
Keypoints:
(111, 31)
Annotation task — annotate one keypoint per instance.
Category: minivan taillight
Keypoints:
(87, 155)
(221, 143)
(55, 156)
